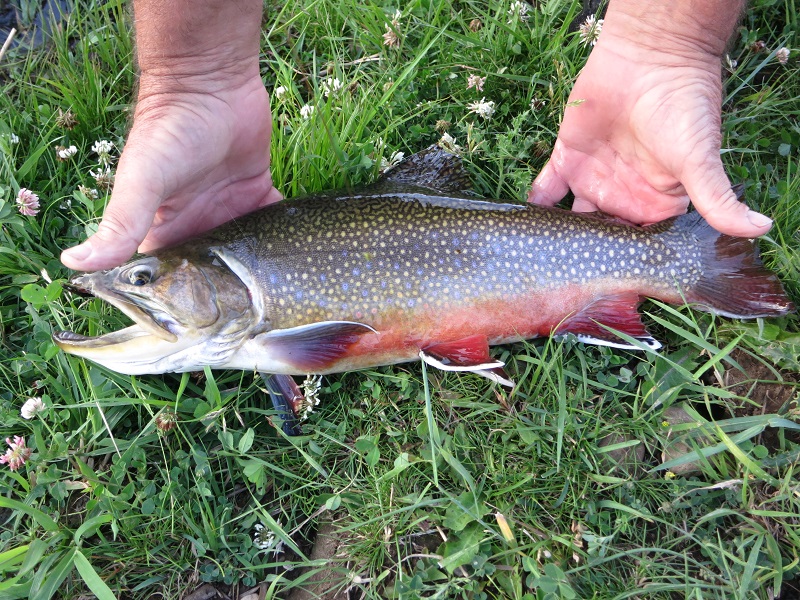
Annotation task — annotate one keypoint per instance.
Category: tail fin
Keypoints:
(734, 282)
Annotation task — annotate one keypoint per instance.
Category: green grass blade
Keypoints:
(90, 577)
(43, 520)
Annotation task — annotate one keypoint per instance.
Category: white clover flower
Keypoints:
(13, 138)
(103, 149)
(391, 38)
(519, 10)
(395, 159)
(32, 407)
(306, 111)
(311, 387)
(103, 178)
(280, 91)
(330, 86)
(448, 142)
(27, 202)
(483, 109)
(476, 81)
(90, 193)
(537, 103)
(783, 55)
(63, 153)
(590, 30)
(65, 204)
(67, 119)
(264, 539)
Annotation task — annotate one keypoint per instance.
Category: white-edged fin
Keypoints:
(651, 343)
(285, 395)
(316, 328)
(313, 348)
(493, 375)
(434, 362)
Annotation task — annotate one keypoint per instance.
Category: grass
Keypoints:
(435, 484)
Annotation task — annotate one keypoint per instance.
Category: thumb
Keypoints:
(711, 193)
(548, 187)
(126, 221)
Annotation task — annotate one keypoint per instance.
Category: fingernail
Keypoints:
(78, 253)
(758, 220)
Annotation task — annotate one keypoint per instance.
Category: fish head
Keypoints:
(187, 313)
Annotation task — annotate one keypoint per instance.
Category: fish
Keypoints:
(412, 267)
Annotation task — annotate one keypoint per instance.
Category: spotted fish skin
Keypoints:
(380, 257)
(414, 266)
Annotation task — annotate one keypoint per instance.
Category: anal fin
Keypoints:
(617, 312)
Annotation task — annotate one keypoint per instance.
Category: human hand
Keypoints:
(193, 160)
(641, 137)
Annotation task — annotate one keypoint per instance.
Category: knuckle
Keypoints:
(117, 227)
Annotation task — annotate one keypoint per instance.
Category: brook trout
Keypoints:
(411, 267)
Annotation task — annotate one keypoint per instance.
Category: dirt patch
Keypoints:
(770, 391)
(323, 584)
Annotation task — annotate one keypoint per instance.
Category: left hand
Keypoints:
(641, 137)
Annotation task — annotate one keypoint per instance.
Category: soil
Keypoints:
(768, 394)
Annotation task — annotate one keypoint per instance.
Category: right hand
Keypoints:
(193, 160)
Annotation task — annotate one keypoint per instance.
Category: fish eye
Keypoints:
(141, 275)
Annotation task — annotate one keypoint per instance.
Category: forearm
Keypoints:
(676, 27)
(193, 42)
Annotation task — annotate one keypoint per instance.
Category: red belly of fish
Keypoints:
(402, 334)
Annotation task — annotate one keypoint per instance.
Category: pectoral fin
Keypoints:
(313, 348)
(286, 398)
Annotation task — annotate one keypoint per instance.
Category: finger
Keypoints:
(126, 220)
(581, 205)
(712, 196)
(548, 187)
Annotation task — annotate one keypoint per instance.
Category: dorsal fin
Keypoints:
(433, 168)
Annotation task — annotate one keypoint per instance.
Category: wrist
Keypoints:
(679, 31)
(212, 73)
(196, 46)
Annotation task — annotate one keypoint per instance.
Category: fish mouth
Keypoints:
(69, 341)
(151, 322)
